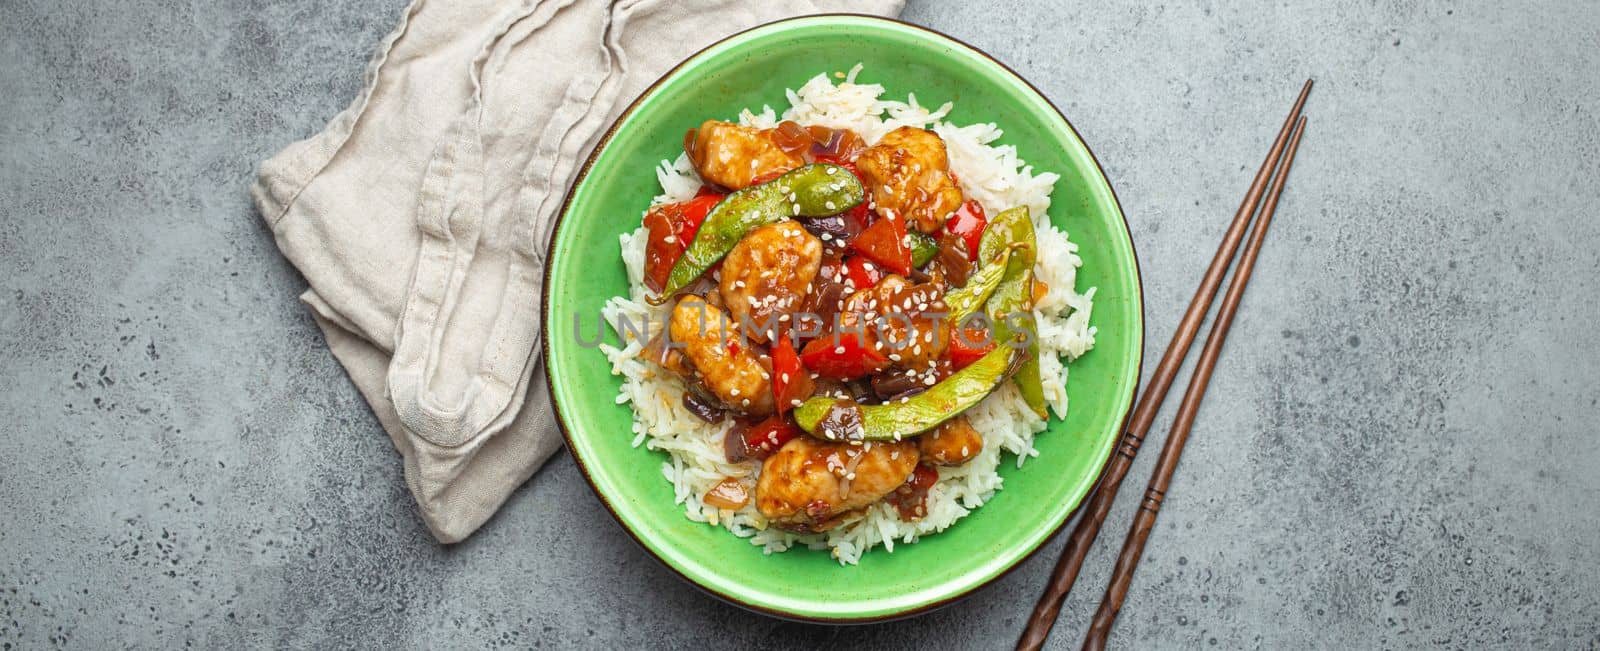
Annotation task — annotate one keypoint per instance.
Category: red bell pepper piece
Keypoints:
(791, 382)
(966, 346)
(885, 243)
(672, 227)
(694, 212)
(860, 213)
(843, 356)
(862, 272)
(968, 223)
(765, 437)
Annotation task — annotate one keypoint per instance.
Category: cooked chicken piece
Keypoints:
(733, 156)
(888, 307)
(767, 274)
(812, 486)
(951, 444)
(723, 360)
(908, 173)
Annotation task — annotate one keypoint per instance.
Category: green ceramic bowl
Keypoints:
(751, 69)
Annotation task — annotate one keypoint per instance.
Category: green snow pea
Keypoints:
(1014, 297)
(815, 190)
(836, 419)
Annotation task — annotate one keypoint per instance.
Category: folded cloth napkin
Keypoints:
(420, 216)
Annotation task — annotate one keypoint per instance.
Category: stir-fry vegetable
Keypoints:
(967, 346)
(885, 243)
(729, 493)
(923, 248)
(1011, 305)
(964, 301)
(862, 272)
(671, 229)
(790, 381)
(843, 355)
(968, 224)
(912, 415)
(810, 191)
(765, 437)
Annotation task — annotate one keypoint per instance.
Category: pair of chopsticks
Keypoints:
(1099, 504)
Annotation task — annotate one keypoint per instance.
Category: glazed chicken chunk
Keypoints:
(813, 486)
(733, 156)
(725, 364)
(908, 173)
(904, 317)
(767, 275)
(951, 444)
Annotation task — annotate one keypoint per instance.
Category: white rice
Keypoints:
(994, 176)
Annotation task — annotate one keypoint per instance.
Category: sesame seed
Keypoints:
(735, 392)
(838, 350)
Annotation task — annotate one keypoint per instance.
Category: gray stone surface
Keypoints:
(1399, 448)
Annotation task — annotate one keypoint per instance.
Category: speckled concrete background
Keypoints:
(1398, 450)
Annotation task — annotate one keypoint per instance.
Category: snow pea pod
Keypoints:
(964, 301)
(815, 190)
(923, 248)
(1014, 297)
(836, 419)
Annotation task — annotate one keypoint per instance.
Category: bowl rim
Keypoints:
(566, 431)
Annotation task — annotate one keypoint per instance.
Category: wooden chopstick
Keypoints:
(1099, 502)
(1144, 520)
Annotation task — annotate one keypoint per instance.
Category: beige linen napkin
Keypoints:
(420, 215)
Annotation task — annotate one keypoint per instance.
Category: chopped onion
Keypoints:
(733, 446)
(791, 137)
(727, 494)
(835, 231)
(953, 260)
(890, 387)
(842, 422)
(704, 408)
